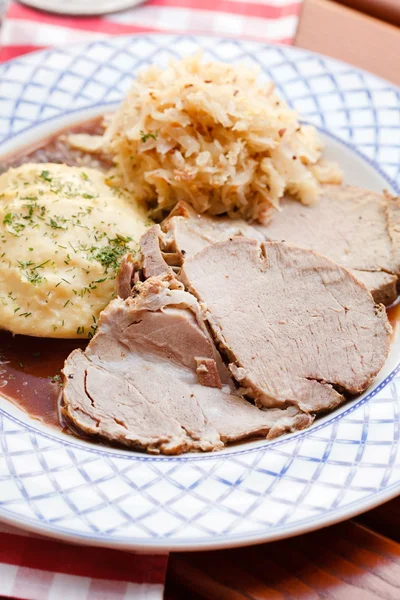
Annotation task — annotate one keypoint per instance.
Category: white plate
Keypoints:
(82, 7)
(347, 462)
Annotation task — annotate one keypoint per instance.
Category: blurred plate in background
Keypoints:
(82, 7)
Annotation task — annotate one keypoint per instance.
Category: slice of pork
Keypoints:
(296, 327)
(181, 235)
(187, 232)
(383, 286)
(152, 379)
(125, 277)
(357, 229)
(154, 261)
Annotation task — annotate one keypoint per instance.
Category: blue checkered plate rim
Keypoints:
(347, 462)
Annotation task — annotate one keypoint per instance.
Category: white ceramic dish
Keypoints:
(347, 462)
(82, 7)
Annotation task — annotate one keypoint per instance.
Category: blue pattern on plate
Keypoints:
(347, 462)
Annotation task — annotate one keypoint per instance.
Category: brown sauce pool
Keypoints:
(30, 373)
(57, 150)
(393, 314)
(30, 368)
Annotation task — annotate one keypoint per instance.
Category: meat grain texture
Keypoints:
(299, 332)
(296, 327)
(358, 229)
(152, 379)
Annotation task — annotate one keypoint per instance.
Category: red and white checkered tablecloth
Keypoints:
(27, 29)
(37, 568)
(33, 568)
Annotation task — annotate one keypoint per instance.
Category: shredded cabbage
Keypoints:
(209, 134)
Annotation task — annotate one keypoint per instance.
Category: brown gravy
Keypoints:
(393, 314)
(57, 150)
(30, 373)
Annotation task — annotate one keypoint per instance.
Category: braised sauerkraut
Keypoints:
(210, 134)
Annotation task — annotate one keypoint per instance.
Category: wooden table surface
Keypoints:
(386, 10)
(355, 37)
(358, 559)
(354, 560)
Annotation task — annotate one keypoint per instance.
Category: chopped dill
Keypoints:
(109, 256)
(55, 225)
(46, 176)
(33, 277)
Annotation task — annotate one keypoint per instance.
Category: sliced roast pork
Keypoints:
(152, 379)
(383, 286)
(152, 262)
(357, 229)
(187, 232)
(295, 327)
(182, 234)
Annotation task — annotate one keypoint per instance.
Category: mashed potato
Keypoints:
(63, 232)
(210, 134)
